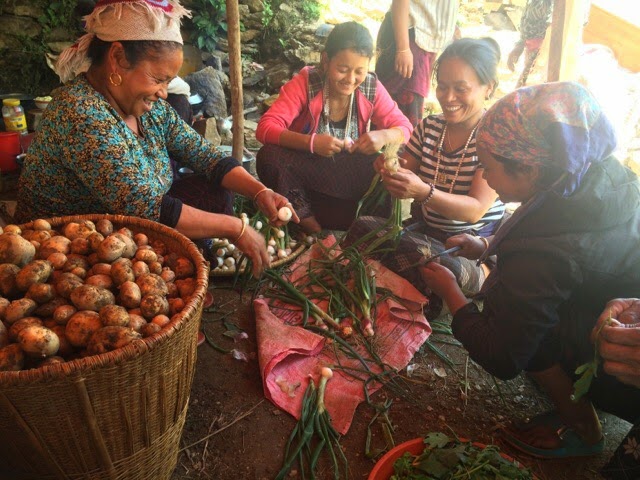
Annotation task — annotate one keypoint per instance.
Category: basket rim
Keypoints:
(81, 366)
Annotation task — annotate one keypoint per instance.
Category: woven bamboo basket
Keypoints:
(117, 415)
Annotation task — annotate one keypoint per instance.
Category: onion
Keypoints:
(284, 214)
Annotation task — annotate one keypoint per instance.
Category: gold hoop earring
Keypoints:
(115, 79)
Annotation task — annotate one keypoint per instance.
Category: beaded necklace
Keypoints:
(443, 178)
(327, 113)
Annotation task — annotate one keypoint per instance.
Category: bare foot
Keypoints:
(310, 225)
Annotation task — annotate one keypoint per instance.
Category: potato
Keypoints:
(140, 268)
(94, 240)
(11, 358)
(4, 336)
(8, 272)
(184, 268)
(81, 229)
(186, 287)
(146, 255)
(36, 235)
(167, 275)
(14, 229)
(104, 226)
(172, 290)
(67, 283)
(41, 292)
(130, 295)
(114, 316)
(176, 305)
(63, 313)
(152, 284)
(140, 239)
(37, 341)
(149, 329)
(90, 297)
(122, 271)
(51, 361)
(20, 325)
(100, 269)
(111, 338)
(161, 320)
(4, 303)
(57, 260)
(66, 349)
(56, 244)
(110, 249)
(158, 246)
(75, 261)
(47, 309)
(104, 281)
(152, 305)
(20, 308)
(130, 245)
(80, 246)
(81, 326)
(41, 224)
(136, 322)
(36, 271)
(15, 249)
(155, 267)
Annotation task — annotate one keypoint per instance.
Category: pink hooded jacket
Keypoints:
(293, 111)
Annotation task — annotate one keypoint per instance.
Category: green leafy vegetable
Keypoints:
(446, 458)
(589, 370)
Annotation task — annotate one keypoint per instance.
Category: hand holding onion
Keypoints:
(270, 203)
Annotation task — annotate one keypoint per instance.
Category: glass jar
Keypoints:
(13, 116)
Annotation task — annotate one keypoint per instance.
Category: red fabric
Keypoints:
(289, 355)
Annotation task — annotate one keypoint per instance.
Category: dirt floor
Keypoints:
(233, 432)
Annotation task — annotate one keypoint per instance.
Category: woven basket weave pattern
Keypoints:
(118, 415)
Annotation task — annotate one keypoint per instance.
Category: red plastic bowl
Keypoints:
(384, 468)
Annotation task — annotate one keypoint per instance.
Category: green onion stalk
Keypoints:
(313, 434)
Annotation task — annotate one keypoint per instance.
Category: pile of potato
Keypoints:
(84, 290)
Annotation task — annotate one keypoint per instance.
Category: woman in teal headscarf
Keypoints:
(570, 247)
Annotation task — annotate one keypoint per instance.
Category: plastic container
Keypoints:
(13, 116)
(383, 469)
(10, 148)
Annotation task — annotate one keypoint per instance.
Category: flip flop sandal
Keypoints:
(547, 419)
(571, 446)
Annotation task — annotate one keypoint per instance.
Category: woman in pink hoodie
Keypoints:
(326, 128)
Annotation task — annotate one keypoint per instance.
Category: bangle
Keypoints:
(255, 197)
(313, 137)
(430, 196)
(486, 243)
(242, 229)
(399, 129)
(403, 51)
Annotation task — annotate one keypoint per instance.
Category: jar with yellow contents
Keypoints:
(13, 116)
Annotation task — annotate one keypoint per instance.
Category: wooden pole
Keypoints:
(235, 78)
(566, 37)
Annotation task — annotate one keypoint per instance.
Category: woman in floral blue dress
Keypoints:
(107, 136)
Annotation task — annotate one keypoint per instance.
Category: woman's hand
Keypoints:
(514, 55)
(619, 343)
(254, 246)
(326, 145)
(369, 143)
(404, 63)
(404, 184)
(472, 247)
(441, 281)
(269, 202)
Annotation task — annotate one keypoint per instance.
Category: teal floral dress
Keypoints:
(85, 159)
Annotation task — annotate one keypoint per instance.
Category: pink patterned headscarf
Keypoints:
(557, 123)
(116, 20)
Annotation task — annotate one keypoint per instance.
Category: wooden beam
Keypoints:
(566, 38)
(235, 78)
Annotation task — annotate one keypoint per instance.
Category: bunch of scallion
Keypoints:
(313, 434)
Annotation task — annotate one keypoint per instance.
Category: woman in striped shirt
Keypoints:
(440, 169)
